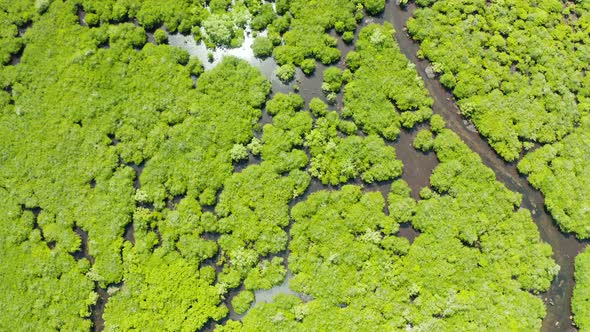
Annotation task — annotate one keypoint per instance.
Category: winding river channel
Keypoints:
(565, 246)
(418, 166)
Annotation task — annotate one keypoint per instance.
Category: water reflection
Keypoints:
(266, 295)
(266, 66)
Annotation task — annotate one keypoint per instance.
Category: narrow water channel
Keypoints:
(565, 246)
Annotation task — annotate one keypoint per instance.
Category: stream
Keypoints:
(418, 166)
(565, 246)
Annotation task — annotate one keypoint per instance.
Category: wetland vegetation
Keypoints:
(140, 191)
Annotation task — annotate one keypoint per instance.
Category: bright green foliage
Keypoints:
(79, 116)
(89, 107)
(262, 47)
(266, 274)
(353, 60)
(374, 7)
(472, 267)
(126, 35)
(348, 37)
(195, 66)
(220, 29)
(318, 107)
(242, 301)
(92, 20)
(161, 36)
(284, 104)
(255, 146)
(423, 140)
(225, 26)
(331, 97)
(286, 72)
(426, 193)
(176, 15)
(401, 205)
(254, 204)
(162, 291)
(15, 16)
(332, 79)
(217, 6)
(477, 211)
(286, 132)
(196, 157)
(336, 160)
(43, 289)
(254, 210)
(347, 75)
(57, 153)
(437, 123)
(336, 251)
(308, 66)
(165, 288)
(264, 16)
(581, 297)
(238, 152)
(307, 37)
(384, 84)
(562, 172)
(516, 66)
(278, 26)
(481, 252)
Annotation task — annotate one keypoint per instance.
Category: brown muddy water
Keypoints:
(97, 309)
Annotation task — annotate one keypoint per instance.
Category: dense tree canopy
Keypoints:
(386, 92)
(128, 170)
(336, 160)
(519, 71)
(163, 292)
(15, 19)
(472, 267)
(71, 143)
(562, 172)
(517, 67)
(473, 213)
(197, 151)
(44, 288)
(581, 297)
(307, 37)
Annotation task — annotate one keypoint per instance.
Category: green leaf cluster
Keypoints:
(307, 36)
(336, 159)
(14, 17)
(196, 156)
(43, 288)
(253, 207)
(473, 266)
(562, 172)
(385, 92)
(517, 67)
(581, 297)
(162, 291)
(106, 136)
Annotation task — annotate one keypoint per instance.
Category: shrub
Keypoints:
(161, 36)
(262, 47)
(286, 72)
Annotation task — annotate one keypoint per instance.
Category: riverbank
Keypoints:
(565, 246)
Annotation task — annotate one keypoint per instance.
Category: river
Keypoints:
(418, 166)
(565, 246)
